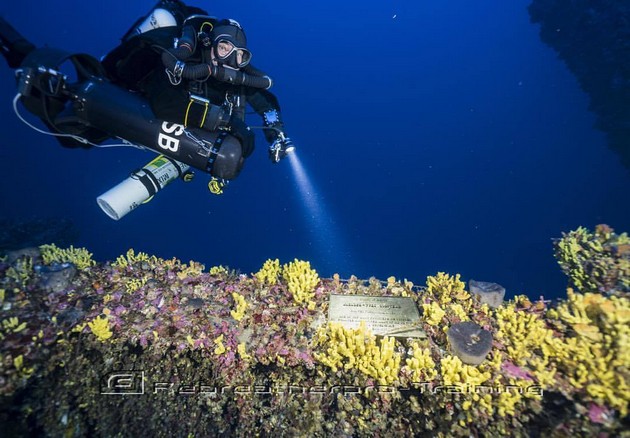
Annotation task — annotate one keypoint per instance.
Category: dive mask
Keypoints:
(228, 54)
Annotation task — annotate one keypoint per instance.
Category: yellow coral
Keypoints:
(484, 403)
(220, 348)
(421, 365)
(507, 401)
(593, 260)
(269, 272)
(100, 328)
(398, 289)
(171, 263)
(193, 269)
(77, 328)
(521, 332)
(446, 287)
(455, 372)
(13, 325)
(131, 257)
(241, 306)
(301, 281)
(242, 352)
(458, 310)
(358, 349)
(391, 281)
(80, 257)
(134, 284)
(433, 313)
(596, 357)
(570, 250)
(543, 371)
(21, 271)
(18, 363)
(218, 270)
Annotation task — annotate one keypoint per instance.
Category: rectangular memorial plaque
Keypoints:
(384, 316)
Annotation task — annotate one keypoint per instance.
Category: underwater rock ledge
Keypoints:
(144, 345)
(593, 39)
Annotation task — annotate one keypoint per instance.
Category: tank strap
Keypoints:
(216, 148)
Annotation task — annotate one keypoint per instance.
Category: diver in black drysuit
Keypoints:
(203, 82)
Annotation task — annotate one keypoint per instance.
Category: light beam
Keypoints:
(328, 241)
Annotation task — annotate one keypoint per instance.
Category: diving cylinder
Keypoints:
(140, 187)
(157, 18)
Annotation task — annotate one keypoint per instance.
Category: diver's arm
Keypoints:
(266, 105)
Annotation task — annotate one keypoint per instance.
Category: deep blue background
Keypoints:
(439, 136)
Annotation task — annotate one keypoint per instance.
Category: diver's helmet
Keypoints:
(229, 44)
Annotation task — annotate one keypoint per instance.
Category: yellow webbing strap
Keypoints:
(187, 109)
(205, 111)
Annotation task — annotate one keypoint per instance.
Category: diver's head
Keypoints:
(229, 45)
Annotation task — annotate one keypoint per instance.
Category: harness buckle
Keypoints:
(198, 99)
(175, 76)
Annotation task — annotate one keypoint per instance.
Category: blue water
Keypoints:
(436, 136)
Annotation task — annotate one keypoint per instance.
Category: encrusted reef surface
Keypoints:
(593, 38)
(144, 346)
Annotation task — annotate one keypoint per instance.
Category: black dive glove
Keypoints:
(280, 143)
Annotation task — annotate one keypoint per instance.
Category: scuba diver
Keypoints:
(178, 84)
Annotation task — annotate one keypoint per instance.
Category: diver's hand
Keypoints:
(280, 148)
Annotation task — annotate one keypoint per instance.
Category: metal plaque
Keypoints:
(384, 316)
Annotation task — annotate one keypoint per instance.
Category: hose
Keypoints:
(173, 61)
(186, 44)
